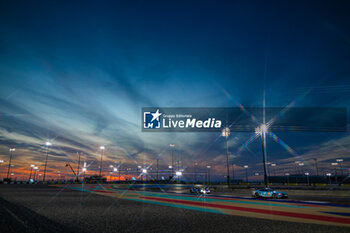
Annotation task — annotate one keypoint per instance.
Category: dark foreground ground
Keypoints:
(40, 208)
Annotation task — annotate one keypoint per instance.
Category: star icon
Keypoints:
(156, 115)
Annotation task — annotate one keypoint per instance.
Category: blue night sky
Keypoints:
(77, 73)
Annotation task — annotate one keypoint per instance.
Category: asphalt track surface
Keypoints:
(42, 208)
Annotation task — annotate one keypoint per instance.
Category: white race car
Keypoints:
(200, 190)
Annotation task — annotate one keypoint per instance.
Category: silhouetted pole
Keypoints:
(102, 148)
(8, 170)
(47, 156)
(226, 133)
(316, 166)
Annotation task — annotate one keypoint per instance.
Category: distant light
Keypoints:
(48, 143)
(144, 171)
(287, 174)
(1, 161)
(306, 173)
(102, 147)
(178, 173)
(256, 173)
(111, 166)
(273, 165)
(12, 174)
(115, 169)
(301, 164)
(139, 167)
(172, 145)
(297, 162)
(334, 164)
(12, 149)
(32, 165)
(328, 174)
(245, 166)
(170, 166)
(84, 169)
(225, 132)
(339, 160)
(208, 166)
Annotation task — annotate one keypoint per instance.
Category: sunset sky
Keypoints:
(77, 75)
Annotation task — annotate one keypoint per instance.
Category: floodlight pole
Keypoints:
(157, 169)
(172, 159)
(233, 172)
(31, 170)
(226, 132)
(102, 148)
(266, 181)
(316, 167)
(228, 165)
(208, 173)
(77, 178)
(47, 155)
(8, 170)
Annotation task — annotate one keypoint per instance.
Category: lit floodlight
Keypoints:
(12, 149)
(144, 171)
(102, 147)
(245, 166)
(339, 160)
(328, 174)
(35, 168)
(111, 166)
(48, 143)
(261, 129)
(115, 169)
(170, 166)
(139, 167)
(225, 132)
(84, 169)
(306, 173)
(178, 173)
(1, 161)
